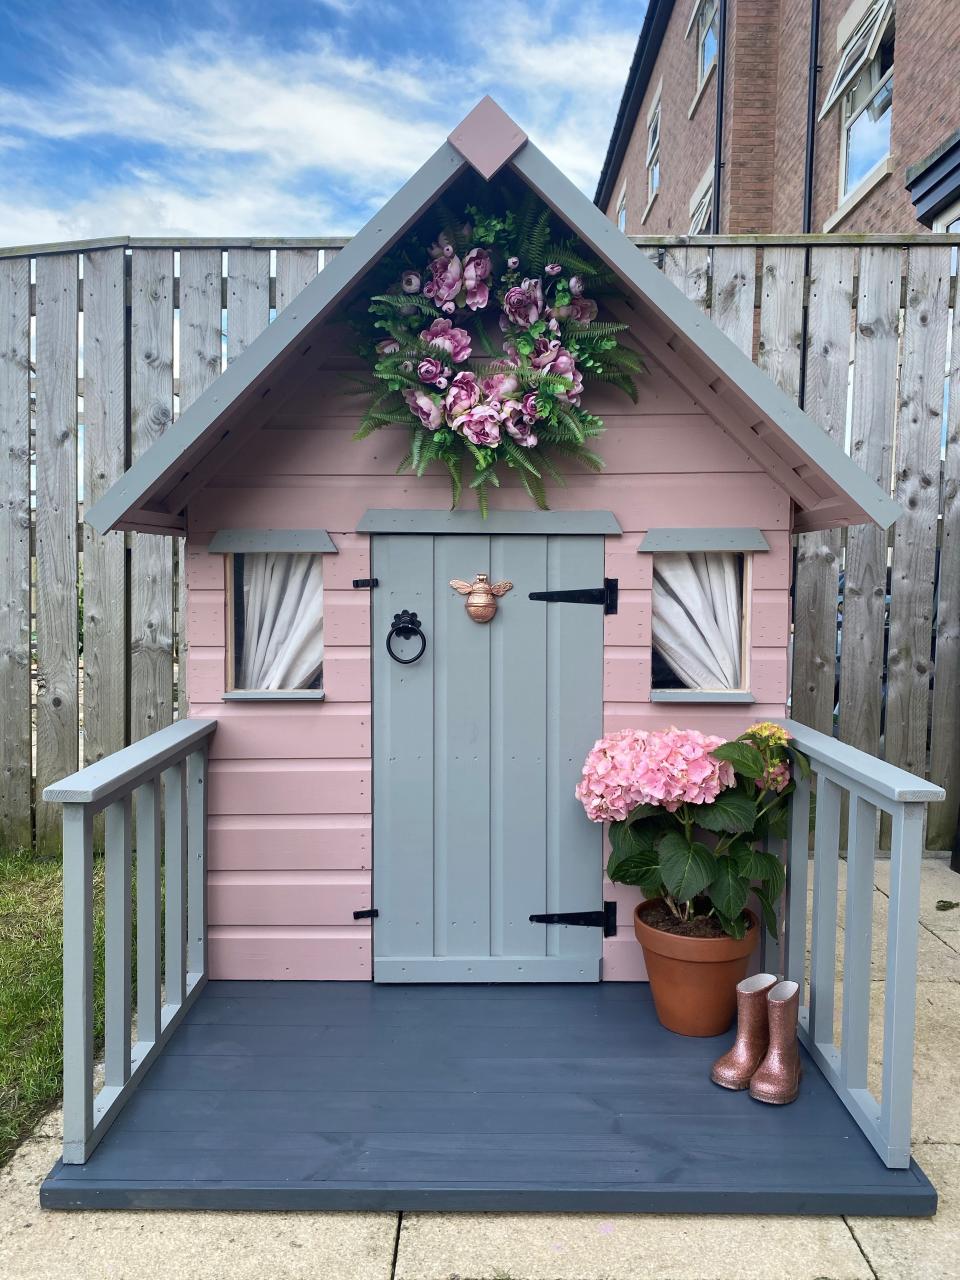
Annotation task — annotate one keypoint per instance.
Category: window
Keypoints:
(701, 218)
(867, 114)
(277, 618)
(622, 210)
(708, 37)
(698, 621)
(860, 49)
(653, 152)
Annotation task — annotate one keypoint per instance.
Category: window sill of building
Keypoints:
(877, 174)
(701, 90)
(273, 695)
(701, 695)
(650, 204)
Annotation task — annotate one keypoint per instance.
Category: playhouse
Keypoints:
(388, 818)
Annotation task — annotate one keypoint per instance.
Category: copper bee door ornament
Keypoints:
(481, 603)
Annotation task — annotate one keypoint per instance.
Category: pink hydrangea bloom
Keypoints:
(775, 777)
(667, 767)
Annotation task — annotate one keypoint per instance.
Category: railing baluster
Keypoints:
(148, 912)
(117, 912)
(823, 942)
(798, 863)
(857, 940)
(197, 862)
(175, 884)
(77, 981)
(900, 997)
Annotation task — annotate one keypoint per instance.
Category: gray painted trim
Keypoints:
(686, 319)
(150, 472)
(240, 540)
(554, 968)
(866, 771)
(116, 774)
(537, 522)
(273, 695)
(701, 695)
(703, 540)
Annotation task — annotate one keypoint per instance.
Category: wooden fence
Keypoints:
(102, 344)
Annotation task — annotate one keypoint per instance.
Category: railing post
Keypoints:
(857, 939)
(900, 997)
(823, 940)
(197, 862)
(77, 982)
(117, 912)
(798, 859)
(175, 884)
(148, 912)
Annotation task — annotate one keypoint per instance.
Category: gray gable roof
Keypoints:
(826, 487)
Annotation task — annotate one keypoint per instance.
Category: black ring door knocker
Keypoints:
(406, 624)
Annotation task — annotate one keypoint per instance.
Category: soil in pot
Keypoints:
(693, 979)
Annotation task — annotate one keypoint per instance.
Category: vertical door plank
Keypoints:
(462, 732)
(519, 711)
(295, 269)
(104, 450)
(873, 418)
(56, 434)
(818, 554)
(15, 728)
(945, 735)
(201, 279)
(248, 297)
(151, 560)
(918, 491)
(732, 296)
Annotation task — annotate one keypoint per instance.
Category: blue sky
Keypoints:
(231, 118)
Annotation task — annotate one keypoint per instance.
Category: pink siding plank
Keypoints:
(351, 561)
(768, 675)
(626, 675)
(323, 842)
(622, 561)
(728, 721)
(206, 617)
(770, 570)
(304, 955)
(623, 958)
(204, 571)
(770, 619)
(701, 500)
(346, 675)
(346, 617)
(289, 786)
(630, 625)
(205, 676)
(287, 898)
(250, 731)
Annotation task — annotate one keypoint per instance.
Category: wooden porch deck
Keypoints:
(530, 1098)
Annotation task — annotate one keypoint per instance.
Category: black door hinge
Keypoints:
(370, 913)
(605, 919)
(360, 583)
(607, 595)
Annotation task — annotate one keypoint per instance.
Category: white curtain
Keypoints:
(697, 615)
(282, 620)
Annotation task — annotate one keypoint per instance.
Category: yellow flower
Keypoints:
(774, 734)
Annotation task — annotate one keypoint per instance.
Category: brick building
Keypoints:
(811, 135)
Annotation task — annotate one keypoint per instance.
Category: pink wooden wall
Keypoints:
(290, 790)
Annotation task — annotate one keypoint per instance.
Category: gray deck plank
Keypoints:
(340, 1096)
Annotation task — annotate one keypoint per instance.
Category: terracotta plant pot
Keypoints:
(694, 980)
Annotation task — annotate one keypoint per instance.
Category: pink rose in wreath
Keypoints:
(480, 425)
(463, 395)
(523, 304)
(445, 335)
(529, 406)
(446, 280)
(431, 370)
(476, 270)
(426, 408)
(500, 386)
(518, 426)
(583, 310)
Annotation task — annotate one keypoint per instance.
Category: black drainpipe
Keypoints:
(813, 70)
(718, 141)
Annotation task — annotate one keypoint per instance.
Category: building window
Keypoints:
(276, 616)
(860, 49)
(701, 215)
(622, 210)
(653, 153)
(698, 633)
(708, 37)
(867, 114)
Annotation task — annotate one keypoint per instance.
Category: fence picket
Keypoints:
(104, 454)
(58, 701)
(151, 556)
(248, 297)
(918, 490)
(732, 297)
(295, 269)
(15, 745)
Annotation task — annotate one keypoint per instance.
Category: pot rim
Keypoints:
(694, 950)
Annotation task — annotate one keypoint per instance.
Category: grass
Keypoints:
(31, 1021)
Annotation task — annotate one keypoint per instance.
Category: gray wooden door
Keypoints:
(477, 749)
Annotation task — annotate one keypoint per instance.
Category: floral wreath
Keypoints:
(521, 406)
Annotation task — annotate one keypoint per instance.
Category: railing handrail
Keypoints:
(865, 770)
(103, 781)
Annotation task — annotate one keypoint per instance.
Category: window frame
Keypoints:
(621, 218)
(873, 24)
(703, 28)
(848, 121)
(654, 125)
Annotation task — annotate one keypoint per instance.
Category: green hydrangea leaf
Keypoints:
(687, 868)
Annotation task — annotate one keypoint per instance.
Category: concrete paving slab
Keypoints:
(594, 1247)
(919, 1248)
(40, 1245)
(937, 884)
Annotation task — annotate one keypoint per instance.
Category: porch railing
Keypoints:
(809, 956)
(167, 775)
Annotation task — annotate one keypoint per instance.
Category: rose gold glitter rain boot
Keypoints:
(734, 1069)
(777, 1079)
